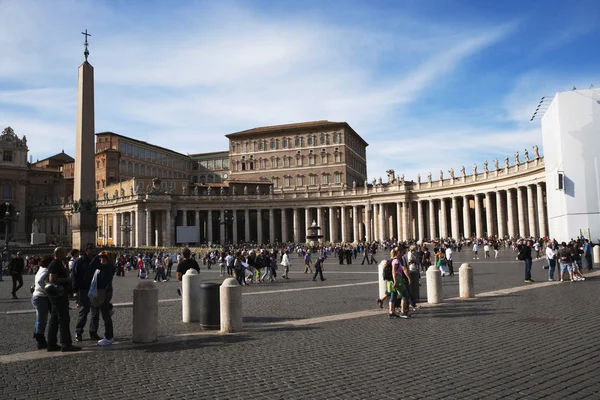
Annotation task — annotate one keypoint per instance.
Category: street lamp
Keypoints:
(126, 228)
(10, 215)
(225, 220)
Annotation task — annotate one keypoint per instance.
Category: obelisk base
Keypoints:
(83, 227)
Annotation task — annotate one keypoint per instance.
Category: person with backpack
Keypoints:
(106, 271)
(83, 273)
(393, 275)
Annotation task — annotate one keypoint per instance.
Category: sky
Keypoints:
(430, 85)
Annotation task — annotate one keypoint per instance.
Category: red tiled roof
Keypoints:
(299, 125)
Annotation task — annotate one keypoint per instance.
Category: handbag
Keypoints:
(99, 299)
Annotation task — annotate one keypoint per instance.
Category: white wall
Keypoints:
(571, 140)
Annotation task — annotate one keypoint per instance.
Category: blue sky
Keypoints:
(430, 85)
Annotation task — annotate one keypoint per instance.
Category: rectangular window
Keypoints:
(211, 165)
(226, 164)
(218, 164)
(286, 181)
(7, 156)
(312, 180)
(110, 232)
(299, 181)
(311, 161)
(286, 162)
(324, 179)
(338, 178)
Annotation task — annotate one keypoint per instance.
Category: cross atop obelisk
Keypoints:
(86, 52)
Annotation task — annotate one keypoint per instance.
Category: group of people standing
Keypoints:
(55, 281)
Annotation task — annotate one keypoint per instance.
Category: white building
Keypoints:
(571, 138)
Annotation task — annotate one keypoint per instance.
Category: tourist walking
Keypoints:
(587, 255)
(183, 266)
(525, 256)
(285, 263)
(15, 268)
(449, 261)
(319, 267)
(307, 262)
(475, 251)
(551, 257)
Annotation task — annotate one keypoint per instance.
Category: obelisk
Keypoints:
(83, 222)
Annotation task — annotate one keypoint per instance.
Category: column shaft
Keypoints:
(148, 227)
(500, 214)
(284, 226)
(332, 237)
(510, 211)
(381, 222)
(420, 221)
(455, 223)
(531, 211)
(259, 227)
(489, 215)
(541, 210)
(271, 226)
(296, 225)
(521, 212)
(399, 220)
(443, 219)
(234, 228)
(355, 219)
(478, 219)
(344, 224)
(405, 221)
(247, 225)
(368, 236)
(222, 223)
(209, 226)
(432, 234)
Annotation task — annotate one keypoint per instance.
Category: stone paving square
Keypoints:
(329, 340)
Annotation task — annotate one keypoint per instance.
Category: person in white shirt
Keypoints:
(229, 264)
(285, 263)
(475, 251)
(551, 258)
(40, 301)
(449, 261)
(486, 250)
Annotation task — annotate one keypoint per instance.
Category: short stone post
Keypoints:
(465, 286)
(382, 283)
(434, 285)
(596, 252)
(145, 312)
(231, 306)
(190, 296)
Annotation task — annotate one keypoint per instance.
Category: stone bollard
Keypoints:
(145, 312)
(382, 283)
(434, 285)
(465, 275)
(190, 296)
(231, 306)
(596, 251)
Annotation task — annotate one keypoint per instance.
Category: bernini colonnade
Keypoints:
(506, 202)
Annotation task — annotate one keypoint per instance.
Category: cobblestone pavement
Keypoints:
(536, 343)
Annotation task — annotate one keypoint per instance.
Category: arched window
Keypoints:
(130, 167)
(136, 169)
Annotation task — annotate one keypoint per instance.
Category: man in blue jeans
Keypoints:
(319, 267)
(83, 272)
(525, 255)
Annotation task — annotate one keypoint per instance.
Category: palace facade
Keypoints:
(270, 186)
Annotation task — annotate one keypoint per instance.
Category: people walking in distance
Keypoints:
(182, 267)
(106, 271)
(285, 263)
(475, 251)
(449, 261)
(372, 252)
(566, 262)
(366, 255)
(537, 248)
(348, 254)
(41, 303)
(587, 255)
(58, 276)
(238, 268)
(169, 265)
(83, 272)
(496, 249)
(15, 268)
(394, 286)
(340, 254)
(229, 261)
(222, 263)
(307, 263)
(319, 267)
(486, 250)
(426, 263)
(576, 256)
(159, 270)
(551, 257)
(442, 263)
(525, 256)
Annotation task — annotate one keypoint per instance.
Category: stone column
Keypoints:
(168, 228)
(344, 224)
(420, 221)
(184, 218)
(466, 217)
(521, 212)
(510, 213)
(139, 226)
(405, 220)
(296, 225)
(259, 227)
(132, 221)
(432, 234)
(320, 221)
(247, 225)
(443, 219)
(234, 227)
(489, 220)
(375, 227)
(355, 230)
(368, 236)
(454, 215)
(478, 220)
(541, 210)
(332, 237)
(271, 226)
(381, 215)
(531, 211)
(284, 226)
(120, 232)
(222, 227)
(209, 226)
(500, 215)
(399, 220)
(307, 222)
(148, 228)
